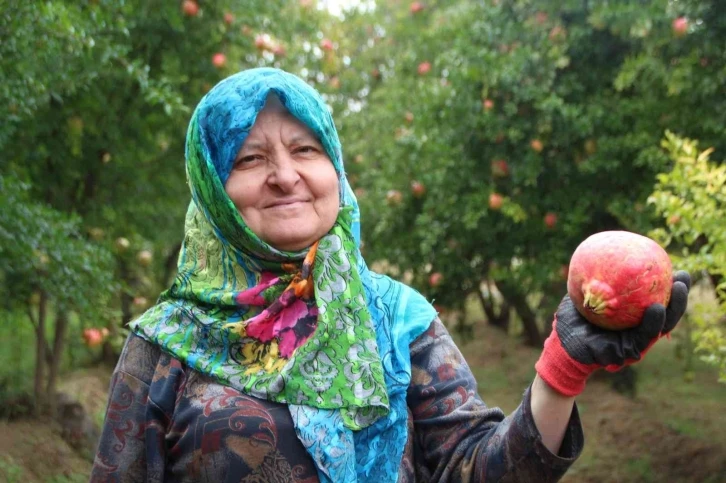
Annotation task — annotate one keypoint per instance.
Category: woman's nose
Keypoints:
(284, 172)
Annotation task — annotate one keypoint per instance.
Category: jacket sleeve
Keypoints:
(131, 447)
(457, 438)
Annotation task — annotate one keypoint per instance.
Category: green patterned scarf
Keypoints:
(236, 310)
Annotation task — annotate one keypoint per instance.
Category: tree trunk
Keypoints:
(126, 299)
(501, 320)
(532, 334)
(61, 327)
(40, 349)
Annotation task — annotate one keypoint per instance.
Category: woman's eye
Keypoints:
(248, 159)
(306, 149)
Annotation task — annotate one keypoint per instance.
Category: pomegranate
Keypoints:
(190, 8)
(495, 201)
(615, 275)
(92, 337)
(435, 279)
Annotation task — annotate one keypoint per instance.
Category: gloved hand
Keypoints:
(576, 348)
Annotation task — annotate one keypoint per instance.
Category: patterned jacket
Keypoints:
(166, 422)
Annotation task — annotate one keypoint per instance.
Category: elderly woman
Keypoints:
(278, 356)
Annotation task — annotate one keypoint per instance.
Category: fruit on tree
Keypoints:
(394, 197)
(326, 44)
(615, 275)
(263, 42)
(680, 26)
(190, 8)
(228, 18)
(537, 145)
(409, 117)
(416, 7)
(144, 257)
(424, 68)
(219, 59)
(435, 279)
(279, 50)
(92, 337)
(550, 220)
(495, 201)
(122, 244)
(487, 104)
(500, 168)
(417, 189)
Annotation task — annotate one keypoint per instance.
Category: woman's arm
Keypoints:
(458, 438)
(551, 412)
(131, 447)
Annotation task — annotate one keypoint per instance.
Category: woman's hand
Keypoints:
(576, 348)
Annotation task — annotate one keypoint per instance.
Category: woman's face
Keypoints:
(283, 182)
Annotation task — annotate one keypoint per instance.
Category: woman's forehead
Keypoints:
(273, 116)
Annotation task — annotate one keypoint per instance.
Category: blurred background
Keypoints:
(484, 140)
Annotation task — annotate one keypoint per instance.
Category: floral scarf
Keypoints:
(314, 329)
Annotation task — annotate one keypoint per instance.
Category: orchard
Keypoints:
(484, 142)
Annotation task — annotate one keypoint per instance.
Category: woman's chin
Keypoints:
(290, 242)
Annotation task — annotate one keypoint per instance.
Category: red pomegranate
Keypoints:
(615, 275)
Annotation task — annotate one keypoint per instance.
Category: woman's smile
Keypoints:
(287, 204)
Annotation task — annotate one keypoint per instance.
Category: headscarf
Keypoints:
(314, 329)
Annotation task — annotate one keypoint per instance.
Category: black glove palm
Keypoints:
(576, 348)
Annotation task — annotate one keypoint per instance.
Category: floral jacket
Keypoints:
(166, 422)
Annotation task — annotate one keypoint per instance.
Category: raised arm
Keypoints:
(457, 438)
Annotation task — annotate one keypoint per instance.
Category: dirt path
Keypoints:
(33, 451)
(625, 443)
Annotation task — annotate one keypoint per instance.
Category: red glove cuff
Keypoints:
(564, 374)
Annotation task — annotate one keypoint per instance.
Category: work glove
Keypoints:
(576, 348)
